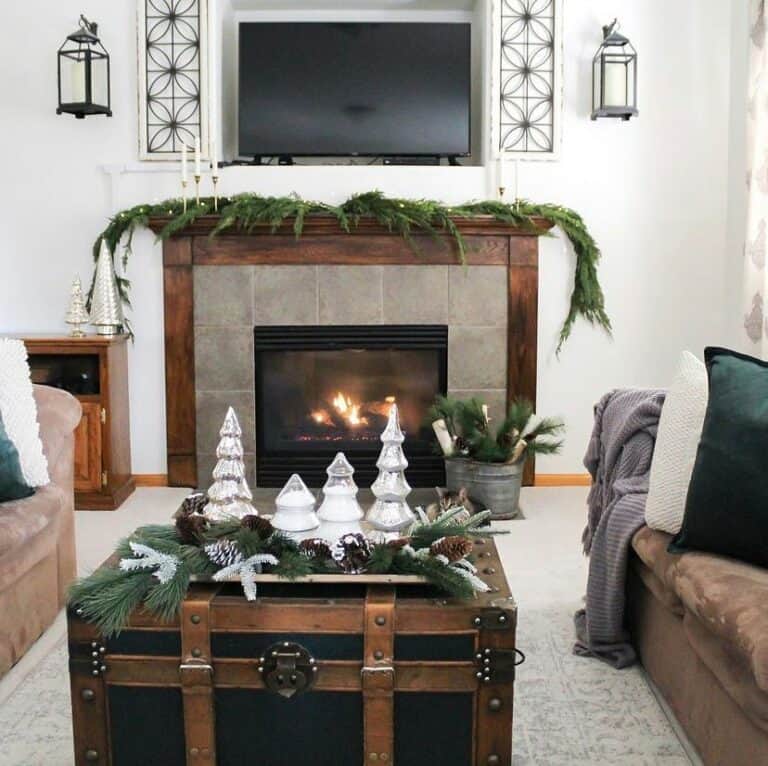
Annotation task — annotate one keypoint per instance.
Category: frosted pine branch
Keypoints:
(246, 572)
(149, 558)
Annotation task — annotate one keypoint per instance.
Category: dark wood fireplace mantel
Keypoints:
(488, 242)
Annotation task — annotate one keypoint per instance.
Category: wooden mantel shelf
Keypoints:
(483, 225)
(488, 242)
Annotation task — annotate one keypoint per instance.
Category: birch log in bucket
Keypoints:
(495, 486)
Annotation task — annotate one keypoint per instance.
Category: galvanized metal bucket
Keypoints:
(496, 486)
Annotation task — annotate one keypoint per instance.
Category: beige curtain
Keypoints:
(756, 273)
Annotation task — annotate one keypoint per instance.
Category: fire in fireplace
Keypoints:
(321, 390)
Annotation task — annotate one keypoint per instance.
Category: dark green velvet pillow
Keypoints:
(726, 511)
(12, 485)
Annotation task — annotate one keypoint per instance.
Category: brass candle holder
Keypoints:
(184, 185)
(215, 180)
(198, 177)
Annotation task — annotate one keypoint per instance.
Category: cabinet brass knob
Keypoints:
(92, 756)
(88, 695)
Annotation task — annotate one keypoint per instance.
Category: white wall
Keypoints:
(654, 192)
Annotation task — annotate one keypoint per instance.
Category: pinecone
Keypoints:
(315, 548)
(454, 548)
(191, 528)
(352, 552)
(224, 553)
(263, 527)
(398, 543)
(194, 503)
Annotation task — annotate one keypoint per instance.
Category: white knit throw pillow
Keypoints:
(19, 411)
(677, 442)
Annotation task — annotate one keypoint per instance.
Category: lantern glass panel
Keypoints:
(100, 81)
(615, 86)
(72, 79)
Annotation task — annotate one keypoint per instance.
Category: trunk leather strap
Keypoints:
(196, 675)
(378, 675)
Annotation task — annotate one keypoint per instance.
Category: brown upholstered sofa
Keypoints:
(700, 624)
(37, 535)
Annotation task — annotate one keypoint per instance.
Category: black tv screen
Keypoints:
(328, 89)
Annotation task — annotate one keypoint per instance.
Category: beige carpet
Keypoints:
(569, 711)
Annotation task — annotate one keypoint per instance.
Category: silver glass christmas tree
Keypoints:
(340, 492)
(229, 495)
(77, 314)
(390, 511)
(106, 307)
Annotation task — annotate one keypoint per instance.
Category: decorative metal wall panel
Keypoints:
(528, 61)
(172, 68)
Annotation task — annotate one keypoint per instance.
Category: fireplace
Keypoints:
(327, 389)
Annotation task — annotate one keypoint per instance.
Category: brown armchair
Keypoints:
(37, 535)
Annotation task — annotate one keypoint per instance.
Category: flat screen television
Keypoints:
(369, 89)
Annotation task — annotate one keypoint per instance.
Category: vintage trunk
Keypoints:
(322, 674)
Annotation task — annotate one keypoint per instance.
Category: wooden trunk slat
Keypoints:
(333, 675)
(284, 616)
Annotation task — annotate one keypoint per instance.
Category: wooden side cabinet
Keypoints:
(95, 370)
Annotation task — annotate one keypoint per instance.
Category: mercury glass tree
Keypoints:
(229, 495)
(390, 511)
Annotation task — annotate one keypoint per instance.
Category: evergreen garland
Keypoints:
(405, 217)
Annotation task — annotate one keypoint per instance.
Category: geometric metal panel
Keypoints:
(172, 76)
(526, 79)
(527, 76)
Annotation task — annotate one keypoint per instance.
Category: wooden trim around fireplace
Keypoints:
(488, 242)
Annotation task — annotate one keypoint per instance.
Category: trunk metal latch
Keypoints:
(498, 665)
(287, 669)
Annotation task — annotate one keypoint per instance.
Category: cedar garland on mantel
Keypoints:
(370, 213)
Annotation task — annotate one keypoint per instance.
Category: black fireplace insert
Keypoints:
(323, 390)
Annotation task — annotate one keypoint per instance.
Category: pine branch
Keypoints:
(108, 597)
(164, 599)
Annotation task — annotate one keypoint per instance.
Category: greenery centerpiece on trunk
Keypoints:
(488, 461)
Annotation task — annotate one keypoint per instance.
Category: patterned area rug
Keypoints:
(569, 711)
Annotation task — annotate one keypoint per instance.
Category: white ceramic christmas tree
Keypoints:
(295, 507)
(77, 314)
(229, 495)
(340, 493)
(390, 511)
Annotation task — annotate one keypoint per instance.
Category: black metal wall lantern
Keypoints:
(84, 73)
(614, 76)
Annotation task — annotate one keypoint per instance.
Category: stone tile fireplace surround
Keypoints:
(230, 300)
(217, 289)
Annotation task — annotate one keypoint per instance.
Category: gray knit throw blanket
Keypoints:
(619, 461)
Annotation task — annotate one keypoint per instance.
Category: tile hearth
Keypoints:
(230, 300)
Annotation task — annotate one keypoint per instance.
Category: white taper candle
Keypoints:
(184, 177)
